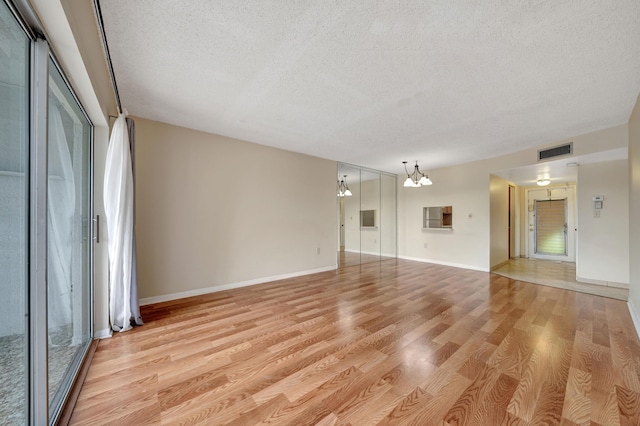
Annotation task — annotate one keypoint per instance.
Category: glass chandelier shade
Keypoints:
(343, 188)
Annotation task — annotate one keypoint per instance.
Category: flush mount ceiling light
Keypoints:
(343, 188)
(417, 178)
(544, 182)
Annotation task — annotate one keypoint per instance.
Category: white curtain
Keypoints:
(119, 205)
(62, 203)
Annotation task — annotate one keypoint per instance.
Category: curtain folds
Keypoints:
(119, 211)
(60, 217)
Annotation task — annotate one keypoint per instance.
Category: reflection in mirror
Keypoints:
(349, 216)
(367, 219)
(387, 221)
(369, 202)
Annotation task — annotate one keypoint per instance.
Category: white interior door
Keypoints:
(551, 222)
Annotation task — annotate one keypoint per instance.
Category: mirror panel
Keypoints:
(349, 215)
(366, 215)
(370, 215)
(388, 236)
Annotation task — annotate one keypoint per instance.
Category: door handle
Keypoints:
(96, 220)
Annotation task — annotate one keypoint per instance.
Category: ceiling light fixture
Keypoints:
(417, 178)
(343, 188)
(544, 182)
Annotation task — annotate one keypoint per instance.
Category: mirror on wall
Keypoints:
(367, 217)
(369, 204)
(349, 214)
(388, 227)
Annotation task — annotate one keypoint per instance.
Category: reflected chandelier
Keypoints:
(343, 188)
(417, 178)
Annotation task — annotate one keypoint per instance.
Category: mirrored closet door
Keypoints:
(366, 215)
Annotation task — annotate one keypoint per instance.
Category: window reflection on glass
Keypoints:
(68, 235)
(14, 160)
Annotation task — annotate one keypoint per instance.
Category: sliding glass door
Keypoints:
(14, 213)
(45, 229)
(68, 239)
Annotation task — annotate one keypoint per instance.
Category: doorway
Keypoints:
(551, 224)
(512, 222)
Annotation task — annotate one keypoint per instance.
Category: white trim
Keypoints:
(102, 334)
(499, 265)
(376, 253)
(602, 282)
(634, 316)
(439, 262)
(230, 286)
(372, 253)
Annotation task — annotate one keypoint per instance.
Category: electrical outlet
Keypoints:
(317, 250)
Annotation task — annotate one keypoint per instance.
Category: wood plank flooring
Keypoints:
(556, 274)
(394, 342)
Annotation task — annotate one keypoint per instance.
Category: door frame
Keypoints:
(570, 195)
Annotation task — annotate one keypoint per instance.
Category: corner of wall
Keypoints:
(635, 317)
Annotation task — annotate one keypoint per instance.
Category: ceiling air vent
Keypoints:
(556, 151)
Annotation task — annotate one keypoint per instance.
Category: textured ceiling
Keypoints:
(378, 82)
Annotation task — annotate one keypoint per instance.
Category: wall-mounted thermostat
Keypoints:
(597, 201)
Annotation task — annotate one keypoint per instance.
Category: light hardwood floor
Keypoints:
(394, 342)
(348, 258)
(556, 274)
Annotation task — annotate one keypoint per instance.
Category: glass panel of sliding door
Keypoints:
(14, 212)
(68, 239)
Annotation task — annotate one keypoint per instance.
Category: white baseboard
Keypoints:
(375, 253)
(230, 286)
(438, 262)
(634, 316)
(102, 334)
(499, 265)
(602, 282)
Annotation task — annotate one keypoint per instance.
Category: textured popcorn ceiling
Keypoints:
(378, 82)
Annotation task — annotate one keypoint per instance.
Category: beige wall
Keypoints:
(214, 211)
(634, 213)
(603, 243)
(467, 188)
(499, 221)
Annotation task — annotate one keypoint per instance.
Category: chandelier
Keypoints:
(343, 188)
(417, 178)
